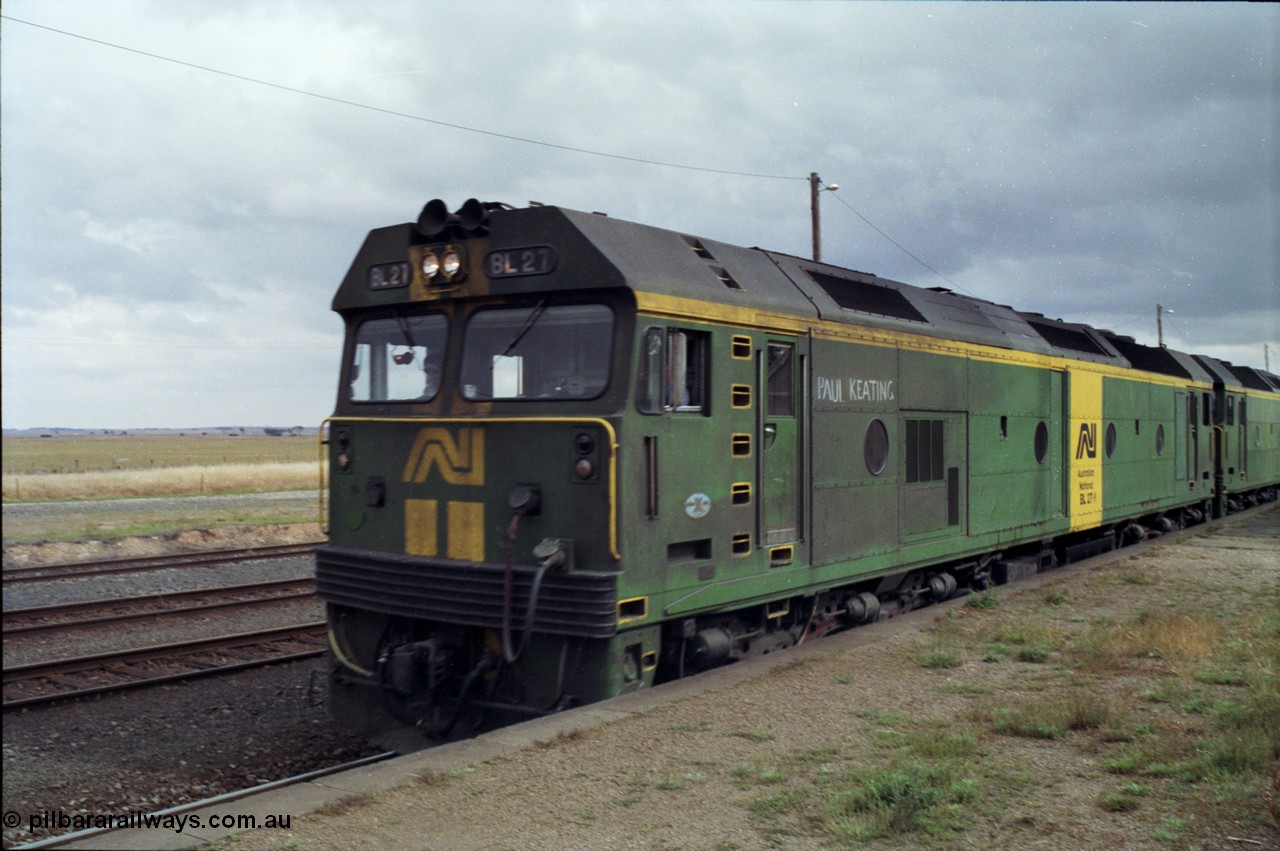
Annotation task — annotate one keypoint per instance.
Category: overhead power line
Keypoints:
(897, 244)
(406, 115)
(467, 129)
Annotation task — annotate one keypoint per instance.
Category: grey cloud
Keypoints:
(1082, 160)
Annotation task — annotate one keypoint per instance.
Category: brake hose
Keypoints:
(531, 608)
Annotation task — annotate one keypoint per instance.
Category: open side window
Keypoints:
(674, 371)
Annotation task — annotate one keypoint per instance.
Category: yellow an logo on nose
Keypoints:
(461, 461)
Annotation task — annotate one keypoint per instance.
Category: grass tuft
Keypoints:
(1053, 718)
(905, 797)
(757, 736)
(940, 659)
(986, 601)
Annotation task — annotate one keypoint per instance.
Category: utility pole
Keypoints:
(814, 189)
(1160, 324)
(813, 215)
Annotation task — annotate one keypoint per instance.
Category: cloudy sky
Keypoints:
(177, 210)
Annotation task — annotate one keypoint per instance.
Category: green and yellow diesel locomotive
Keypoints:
(573, 456)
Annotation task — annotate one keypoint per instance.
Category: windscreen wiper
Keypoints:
(532, 320)
(405, 358)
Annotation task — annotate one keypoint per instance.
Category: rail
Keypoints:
(108, 567)
(68, 616)
(80, 676)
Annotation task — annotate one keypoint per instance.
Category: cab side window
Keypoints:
(674, 370)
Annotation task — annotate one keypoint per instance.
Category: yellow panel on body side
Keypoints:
(466, 530)
(421, 527)
(1085, 476)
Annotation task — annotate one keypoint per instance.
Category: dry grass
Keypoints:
(1171, 636)
(99, 466)
(167, 481)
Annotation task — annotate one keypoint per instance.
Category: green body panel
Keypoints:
(592, 670)
(1233, 431)
(703, 489)
(861, 524)
(935, 508)
(1200, 450)
(458, 475)
(856, 510)
(1010, 489)
(1138, 471)
(1260, 435)
(1193, 462)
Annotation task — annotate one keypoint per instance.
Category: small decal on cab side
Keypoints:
(697, 505)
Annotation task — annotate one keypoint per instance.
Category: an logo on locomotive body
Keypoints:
(453, 528)
(1087, 443)
(460, 459)
(1085, 497)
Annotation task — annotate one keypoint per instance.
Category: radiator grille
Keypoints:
(579, 603)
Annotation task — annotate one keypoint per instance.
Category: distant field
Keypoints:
(109, 466)
(90, 452)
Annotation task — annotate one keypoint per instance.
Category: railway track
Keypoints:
(81, 676)
(69, 616)
(126, 834)
(109, 567)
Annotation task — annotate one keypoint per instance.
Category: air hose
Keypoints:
(531, 609)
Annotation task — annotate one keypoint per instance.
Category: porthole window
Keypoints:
(1042, 442)
(1111, 439)
(1160, 439)
(875, 447)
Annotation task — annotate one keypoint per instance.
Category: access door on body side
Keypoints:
(780, 380)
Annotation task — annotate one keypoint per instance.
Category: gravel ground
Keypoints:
(158, 747)
(152, 749)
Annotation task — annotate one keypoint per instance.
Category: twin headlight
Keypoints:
(442, 265)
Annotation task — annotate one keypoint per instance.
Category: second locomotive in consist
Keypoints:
(572, 456)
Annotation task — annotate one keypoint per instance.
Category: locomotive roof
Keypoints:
(609, 252)
(670, 263)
